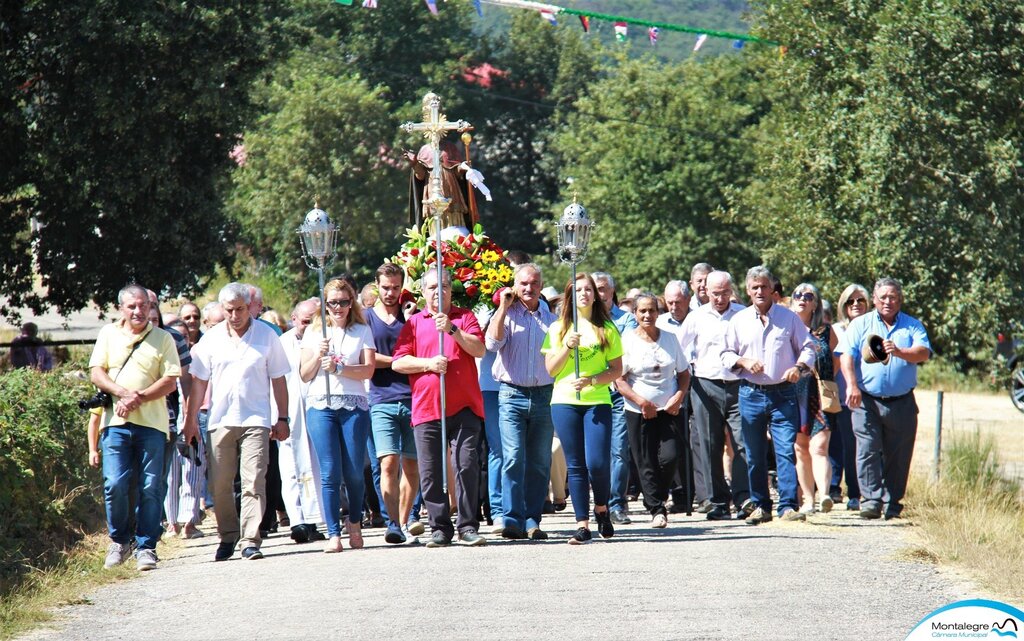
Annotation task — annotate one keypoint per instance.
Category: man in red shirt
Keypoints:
(417, 355)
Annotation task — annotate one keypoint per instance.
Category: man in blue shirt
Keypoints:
(624, 321)
(880, 352)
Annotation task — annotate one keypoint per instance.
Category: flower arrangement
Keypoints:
(477, 264)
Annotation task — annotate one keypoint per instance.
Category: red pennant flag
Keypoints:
(585, 21)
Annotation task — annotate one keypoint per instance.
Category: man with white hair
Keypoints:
(300, 474)
(769, 347)
(698, 284)
(242, 360)
(714, 396)
(624, 321)
(137, 365)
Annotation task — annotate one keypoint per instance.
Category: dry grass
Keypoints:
(972, 518)
(79, 573)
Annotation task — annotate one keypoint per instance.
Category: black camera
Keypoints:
(99, 399)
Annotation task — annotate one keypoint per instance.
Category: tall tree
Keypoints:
(895, 149)
(129, 110)
(651, 151)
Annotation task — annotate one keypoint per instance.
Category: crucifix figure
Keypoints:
(443, 160)
(434, 126)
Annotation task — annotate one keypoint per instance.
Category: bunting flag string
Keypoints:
(587, 16)
(652, 35)
(549, 16)
(369, 4)
(700, 41)
(621, 31)
(432, 5)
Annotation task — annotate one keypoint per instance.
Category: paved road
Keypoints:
(835, 577)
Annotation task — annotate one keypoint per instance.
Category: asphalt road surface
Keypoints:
(834, 577)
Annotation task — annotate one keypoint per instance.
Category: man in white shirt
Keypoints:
(769, 347)
(243, 359)
(714, 396)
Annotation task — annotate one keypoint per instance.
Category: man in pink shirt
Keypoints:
(416, 354)
(769, 347)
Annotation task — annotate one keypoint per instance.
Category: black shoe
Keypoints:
(719, 513)
(252, 553)
(300, 534)
(264, 534)
(472, 538)
(835, 494)
(746, 509)
(559, 506)
(619, 517)
(870, 511)
(705, 507)
(438, 539)
(512, 532)
(537, 534)
(604, 525)
(225, 550)
(549, 508)
(580, 536)
(315, 534)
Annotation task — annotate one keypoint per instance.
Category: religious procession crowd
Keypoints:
(689, 400)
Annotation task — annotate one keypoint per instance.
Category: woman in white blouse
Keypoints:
(339, 423)
(654, 382)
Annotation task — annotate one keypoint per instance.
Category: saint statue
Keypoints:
(461, 212)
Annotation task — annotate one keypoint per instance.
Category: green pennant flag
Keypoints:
(345, 2)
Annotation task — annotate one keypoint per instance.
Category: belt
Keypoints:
(887, 398)
(768, 388)
(720, 382)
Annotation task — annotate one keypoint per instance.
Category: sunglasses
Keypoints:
(854, 301)
(343, 303)
(804, 296)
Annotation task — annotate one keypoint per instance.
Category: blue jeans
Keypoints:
(620, 455)
(776, 410)
(524, 414)
(492, 432)
(585, 432)
(204, 418)
(339, 438)
(371, 454)
(133, 455)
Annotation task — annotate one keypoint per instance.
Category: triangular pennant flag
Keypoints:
(479, 9)
(585, 21)
(432, 5)
(700, 41)
(652, 34)
(621, 31)
(782, 51)
(369, 4)
(548, 15)
(347, 3)
(737, 44)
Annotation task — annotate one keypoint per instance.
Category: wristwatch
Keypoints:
(283, 418)
(452, 330)
(803, 368)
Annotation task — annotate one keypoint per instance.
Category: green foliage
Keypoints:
(120, 116)
(650, 150)
(48, 495)
(894, 149)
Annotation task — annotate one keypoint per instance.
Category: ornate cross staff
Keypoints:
(573, 237)
(434, 127)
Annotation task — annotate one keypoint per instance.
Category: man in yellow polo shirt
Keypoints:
(137, 364)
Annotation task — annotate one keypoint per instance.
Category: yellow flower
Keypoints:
(504, 273)
(490, 256)
(478, 265)
(487, 287)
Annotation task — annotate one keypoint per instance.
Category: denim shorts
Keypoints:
(391, 424)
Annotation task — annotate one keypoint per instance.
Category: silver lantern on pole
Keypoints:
(318, 237)
(574, 229)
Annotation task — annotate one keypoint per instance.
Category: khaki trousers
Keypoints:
(244, 449)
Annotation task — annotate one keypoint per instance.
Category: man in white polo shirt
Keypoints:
(242, 359)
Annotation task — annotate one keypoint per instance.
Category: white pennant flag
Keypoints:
(700, 41)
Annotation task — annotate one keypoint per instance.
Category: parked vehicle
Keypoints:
(1010, 350)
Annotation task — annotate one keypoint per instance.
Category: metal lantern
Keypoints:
(574, 233)
(318, 237)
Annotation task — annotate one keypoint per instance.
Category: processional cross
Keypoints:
(435, 126)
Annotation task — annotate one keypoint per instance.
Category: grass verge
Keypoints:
(79, 572)
(972, 518)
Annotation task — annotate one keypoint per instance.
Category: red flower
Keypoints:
(465, 273)
(472, 291)
(406, 297)
(451, 258)
(414, 251)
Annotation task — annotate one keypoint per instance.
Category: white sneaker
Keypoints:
(410, 538)
(499, 525)
(145, 560)
(659, 521)
(808, 508)
(117, 553)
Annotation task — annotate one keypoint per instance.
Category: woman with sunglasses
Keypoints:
(339, 423)
(854, 301)
(813, 468)
(581, 407)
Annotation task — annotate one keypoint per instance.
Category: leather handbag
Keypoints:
(828, 393)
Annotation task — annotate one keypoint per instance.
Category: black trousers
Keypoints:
(653, 445)
(464, 430)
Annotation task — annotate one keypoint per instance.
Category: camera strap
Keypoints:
(135, 346)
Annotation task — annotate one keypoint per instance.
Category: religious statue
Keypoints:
(461, 212)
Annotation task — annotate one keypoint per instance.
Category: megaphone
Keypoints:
(874, 350)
